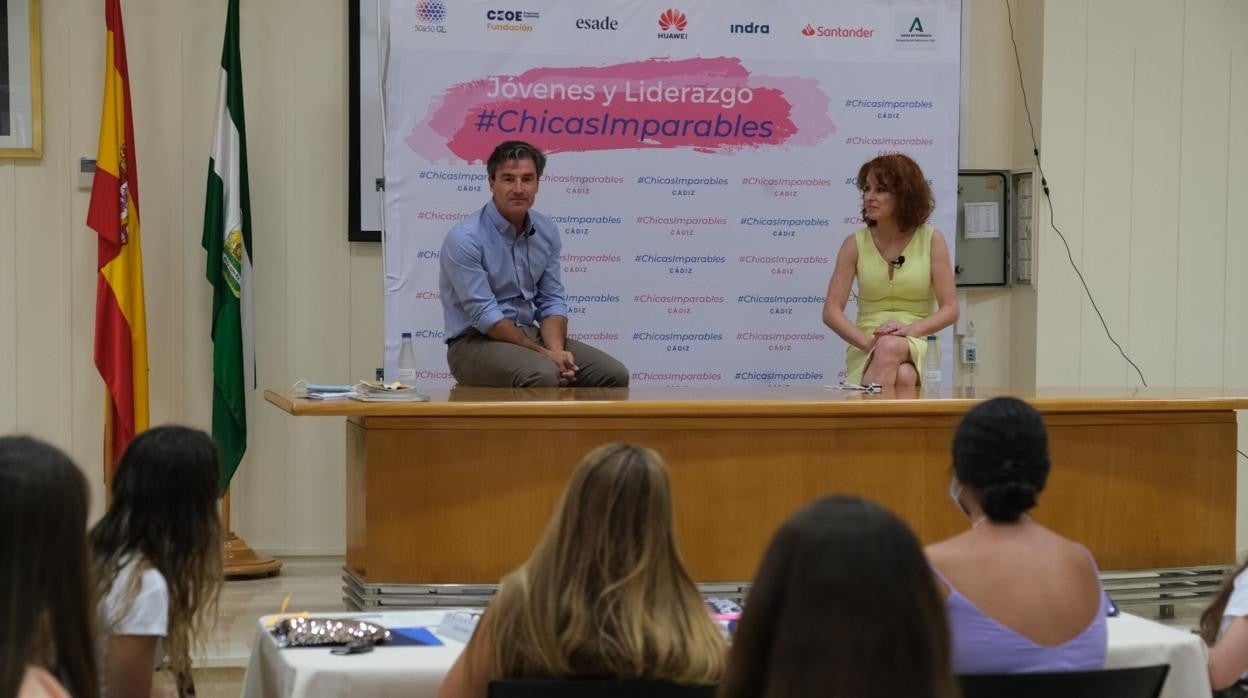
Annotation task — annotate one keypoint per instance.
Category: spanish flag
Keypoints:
(120, 320)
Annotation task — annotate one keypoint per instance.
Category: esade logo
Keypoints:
(598, 23)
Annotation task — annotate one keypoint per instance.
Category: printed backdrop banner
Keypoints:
(702, 159)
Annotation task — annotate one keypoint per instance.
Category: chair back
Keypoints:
(598, 688)
(1138, 682)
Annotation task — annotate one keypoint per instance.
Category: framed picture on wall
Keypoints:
(21, 118)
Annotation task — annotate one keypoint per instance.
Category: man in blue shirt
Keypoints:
(502, 299)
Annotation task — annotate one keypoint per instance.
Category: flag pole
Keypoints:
(109, 464)
(238, 560)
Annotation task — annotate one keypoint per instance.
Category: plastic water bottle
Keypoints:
(407, 361)
(931, 363)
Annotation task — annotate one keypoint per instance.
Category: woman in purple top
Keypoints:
(1019, 597)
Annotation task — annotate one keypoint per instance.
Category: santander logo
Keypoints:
(837, 32)
(673, 20)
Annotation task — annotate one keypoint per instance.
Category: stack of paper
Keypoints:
(375, 391)
(317, 391)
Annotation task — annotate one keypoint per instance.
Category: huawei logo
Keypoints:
(673, 20)
(808, 30)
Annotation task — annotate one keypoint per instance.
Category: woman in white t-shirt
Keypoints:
(1224, 625)
(157, 559)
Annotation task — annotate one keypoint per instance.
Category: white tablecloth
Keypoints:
(410, 671)
(417, 672)
(1136, 641)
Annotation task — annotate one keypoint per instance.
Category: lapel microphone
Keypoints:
(901, 259)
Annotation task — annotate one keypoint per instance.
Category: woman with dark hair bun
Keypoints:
(1020, 598)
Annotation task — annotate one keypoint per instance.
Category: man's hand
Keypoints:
(566, 364)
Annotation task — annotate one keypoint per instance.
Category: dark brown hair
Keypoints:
(902, 176)
(165, 510)
(45, 600)
(844, 605)
(514, 150)
(1001, 448)
(1211, 619)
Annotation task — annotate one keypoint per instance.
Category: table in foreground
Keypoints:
(418, 671)
(458, 489)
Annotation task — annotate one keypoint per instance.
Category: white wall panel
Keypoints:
(1063, 121)
(1153, 216)
(1105, 230)
(1203, 162)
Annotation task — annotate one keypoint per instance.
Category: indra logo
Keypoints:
(430, 14)
(672, 24)
(751, 28)
(822, 32)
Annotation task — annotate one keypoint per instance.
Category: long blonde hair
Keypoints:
(605, 592)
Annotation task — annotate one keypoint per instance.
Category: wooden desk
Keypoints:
(457, 490)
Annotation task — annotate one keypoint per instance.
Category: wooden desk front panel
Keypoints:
(463, 500)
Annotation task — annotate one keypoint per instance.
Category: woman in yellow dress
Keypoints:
(905, 278)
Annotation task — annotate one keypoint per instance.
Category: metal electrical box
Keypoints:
(981, 241)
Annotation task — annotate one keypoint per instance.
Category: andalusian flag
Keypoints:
(120, 320)
(227, 238)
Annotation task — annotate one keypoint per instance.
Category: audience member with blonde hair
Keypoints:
(604, 594)
(157, 558)
(1019, 597)
(843, 605)
(45, 607)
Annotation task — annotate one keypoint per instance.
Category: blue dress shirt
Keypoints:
(489, 271)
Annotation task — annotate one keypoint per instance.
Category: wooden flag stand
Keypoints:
(238, 560)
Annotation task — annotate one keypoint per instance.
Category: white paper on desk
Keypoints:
(410, 619)
(980, 220)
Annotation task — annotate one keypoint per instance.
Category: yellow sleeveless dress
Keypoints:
(906, 297)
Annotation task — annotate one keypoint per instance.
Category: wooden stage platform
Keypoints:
(457, 490)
